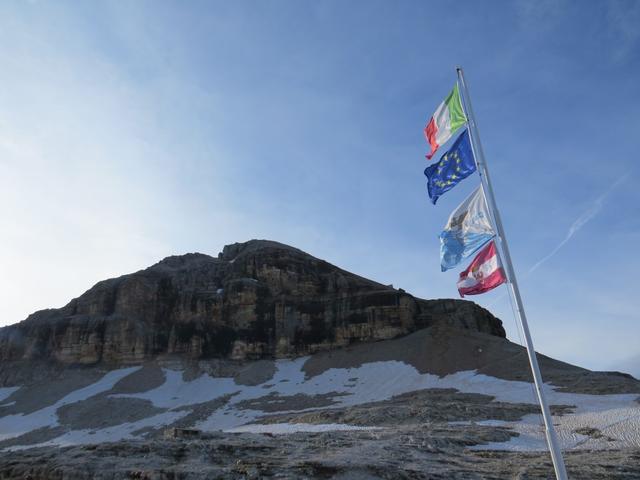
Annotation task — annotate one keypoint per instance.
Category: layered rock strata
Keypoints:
(259, 299)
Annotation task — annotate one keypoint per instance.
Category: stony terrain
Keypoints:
(367, 411)
(423, 452)
(436, 393)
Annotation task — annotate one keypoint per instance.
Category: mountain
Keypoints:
(266, 362)
(258, 299)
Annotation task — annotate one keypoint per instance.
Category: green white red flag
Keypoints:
(447, 119)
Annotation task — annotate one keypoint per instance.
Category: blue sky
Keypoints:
(130, 131)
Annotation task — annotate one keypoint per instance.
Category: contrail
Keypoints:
(581, 221)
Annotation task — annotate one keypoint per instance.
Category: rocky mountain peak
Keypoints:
(257, 299)
(230, 252)
(185, 261)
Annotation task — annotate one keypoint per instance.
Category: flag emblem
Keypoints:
(483, 274)
(467, 230)
(453, 167)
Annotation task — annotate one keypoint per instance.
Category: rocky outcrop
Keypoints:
(258, 299)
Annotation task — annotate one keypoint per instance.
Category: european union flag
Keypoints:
(454, 166)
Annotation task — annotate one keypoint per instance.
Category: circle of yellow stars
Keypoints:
(453, 156)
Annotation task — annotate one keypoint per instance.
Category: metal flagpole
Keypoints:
(476, 146)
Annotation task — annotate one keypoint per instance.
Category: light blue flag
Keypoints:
(468, 229)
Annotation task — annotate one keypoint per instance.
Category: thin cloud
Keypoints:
(622, 21)
(575, 227)
(580, 222)
(541, 14)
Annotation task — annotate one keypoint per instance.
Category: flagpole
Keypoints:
(476, 146)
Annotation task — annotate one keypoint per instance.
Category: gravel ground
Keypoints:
(414, 452)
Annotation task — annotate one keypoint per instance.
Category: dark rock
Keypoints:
(182, 433)
(259, 299)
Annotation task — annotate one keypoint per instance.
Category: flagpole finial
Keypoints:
(458, 68)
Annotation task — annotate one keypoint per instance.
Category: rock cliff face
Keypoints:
(258, 299)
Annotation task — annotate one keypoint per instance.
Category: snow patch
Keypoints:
(6, 392)
(614, 428)
(115, 433)
(617, 417)
(175, 392)
(18, 424)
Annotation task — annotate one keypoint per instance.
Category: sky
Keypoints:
(131, 131)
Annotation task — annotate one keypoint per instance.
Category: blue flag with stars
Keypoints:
(454, 166)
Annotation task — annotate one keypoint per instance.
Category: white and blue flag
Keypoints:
(468, 229)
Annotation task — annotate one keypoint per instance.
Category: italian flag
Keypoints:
(483, 274)
(448, 118)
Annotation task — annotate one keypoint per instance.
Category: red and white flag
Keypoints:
(483, 274)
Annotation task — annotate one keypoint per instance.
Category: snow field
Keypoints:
(15, 425)
(616, 416)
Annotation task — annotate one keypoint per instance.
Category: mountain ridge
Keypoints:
(256, 299)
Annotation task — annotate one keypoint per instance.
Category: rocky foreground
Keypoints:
(424, 452)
